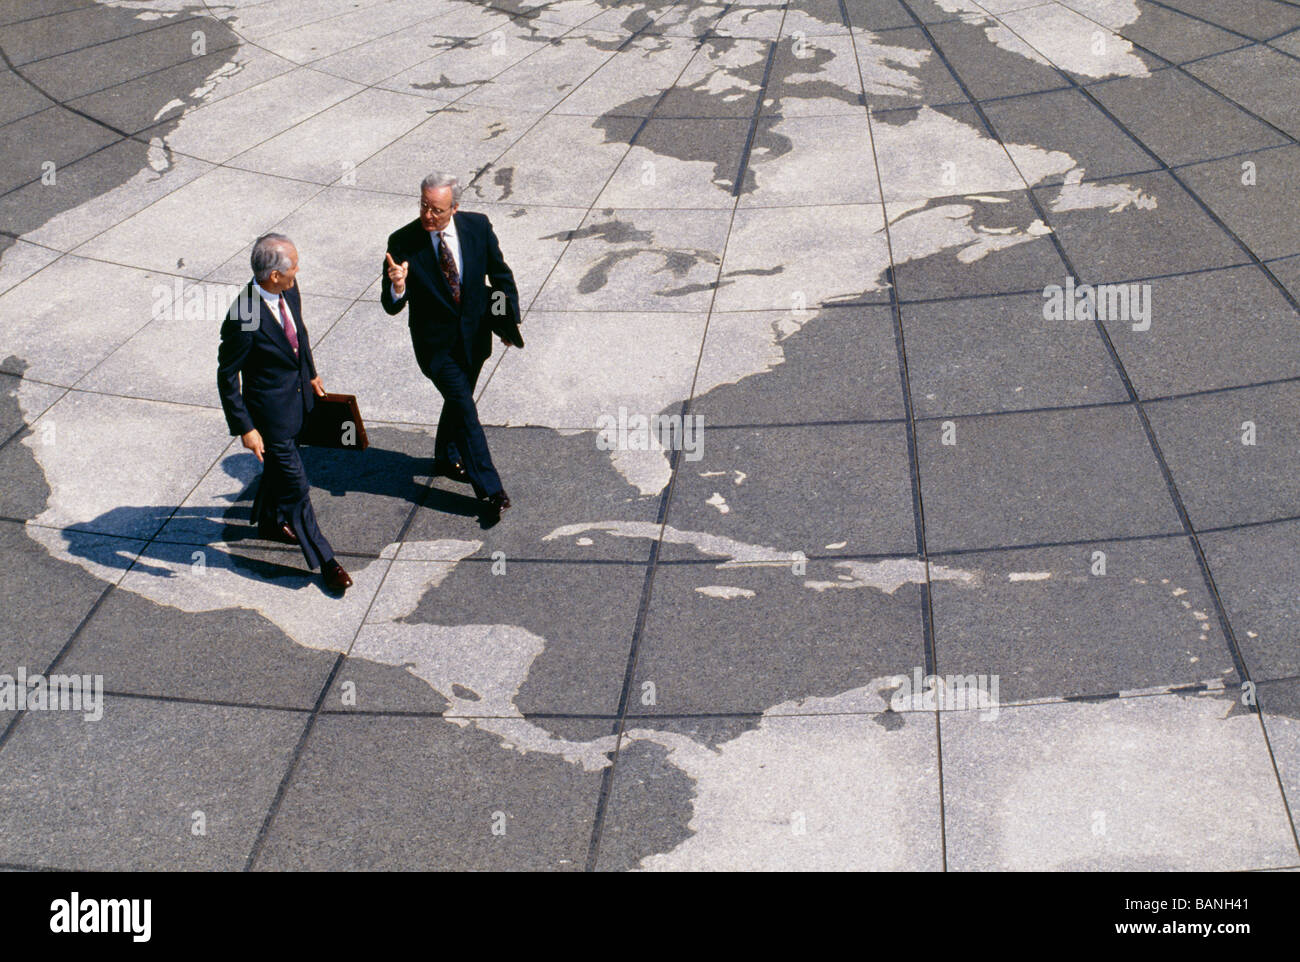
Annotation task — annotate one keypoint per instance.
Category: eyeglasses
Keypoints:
(436, 211)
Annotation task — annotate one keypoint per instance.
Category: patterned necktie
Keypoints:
(289, 330)
(448, 264)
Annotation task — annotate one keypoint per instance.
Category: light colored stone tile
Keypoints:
(577, 367)
(114, 464)
(798, 161)
(1104, 786)
(62, 321)
(459, 140)
(633, 79)
(197, 228)
(561, 161)
(218, 131)
(542, 80)
(639, 259)
(778, 259)
(369, 354)
(327, 148)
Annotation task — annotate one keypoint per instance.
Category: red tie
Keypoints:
(448, 264)
(289, 330)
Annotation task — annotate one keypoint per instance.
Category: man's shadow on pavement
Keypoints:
(201, 531)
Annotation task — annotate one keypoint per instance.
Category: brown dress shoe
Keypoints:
(336, 579)
(281, 533)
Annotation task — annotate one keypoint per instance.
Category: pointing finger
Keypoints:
(389, 257)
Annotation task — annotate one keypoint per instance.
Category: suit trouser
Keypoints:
(459, 428)
(284, 497)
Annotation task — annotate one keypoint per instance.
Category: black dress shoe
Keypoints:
(281, 533)
(498, 502)
(336, 579)
(451, 469)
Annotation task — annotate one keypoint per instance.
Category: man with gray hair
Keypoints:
(447, 266)
(267, 378)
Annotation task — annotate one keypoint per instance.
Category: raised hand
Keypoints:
(397, 274)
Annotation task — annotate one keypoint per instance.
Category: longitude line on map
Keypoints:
(274, 808)
(1207, 575)
(930, 653)
(652, 558)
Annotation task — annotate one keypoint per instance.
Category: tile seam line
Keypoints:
(929, 641)
(620, 724)
(1234, 647)
(1206, 688)
(273, 809)
(958, 551)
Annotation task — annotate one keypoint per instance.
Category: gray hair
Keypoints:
(269, 254)
(439, 179)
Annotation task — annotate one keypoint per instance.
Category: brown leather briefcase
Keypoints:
(335, 422)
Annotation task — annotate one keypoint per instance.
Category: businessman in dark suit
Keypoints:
(264, 344)
(446, 265)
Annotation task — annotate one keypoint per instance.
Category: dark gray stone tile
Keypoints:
(832, 363)
(33, 38)
(1176, 37)
(1222, 480)
(125, 792)
(1261, 80)
(495, 644)
(1256, 19)
(1259, 213)
(407, 794)
(1257, 572)
(1136, 226)
(27, 147)
(1025, 479)
(923, 76)
(1288, 272)
(71, 75)
(1000, 354)
(1209, 330)
(971, 264)
(796, 489)
(873, 15)
(1066, 120)
(19, 98)
(1049, 626)
(989, 70)
(1156, 109)
(44, 599)
(362, 499)
(228, 655)
(552, 480)
(795, 636)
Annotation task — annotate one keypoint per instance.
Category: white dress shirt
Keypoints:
(273, 302)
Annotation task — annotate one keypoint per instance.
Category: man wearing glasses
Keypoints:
(447, 265)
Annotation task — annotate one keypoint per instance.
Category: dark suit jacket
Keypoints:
(277, 394)
(438, 326)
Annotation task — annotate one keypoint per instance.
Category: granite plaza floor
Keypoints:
(852, 239)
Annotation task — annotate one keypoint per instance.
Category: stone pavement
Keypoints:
(986, 315)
